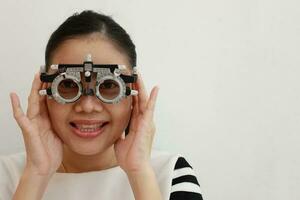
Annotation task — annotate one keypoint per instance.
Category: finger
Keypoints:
(43, 107)
(123, 135)
(134, 115)
(143, 97)
(146, 122)
(150, 112)
(19, 115)
(34, 97)
(42, 102)
(136, 105)
(145, 127)
(21, 119)
(151, 103)
(135, 99)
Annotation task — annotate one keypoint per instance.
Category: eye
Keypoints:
(108, 84)
(68, 84)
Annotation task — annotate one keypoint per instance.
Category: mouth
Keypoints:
(87, 128)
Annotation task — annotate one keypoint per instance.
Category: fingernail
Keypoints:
(11, 94)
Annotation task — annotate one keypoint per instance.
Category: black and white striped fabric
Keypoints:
(184, 184)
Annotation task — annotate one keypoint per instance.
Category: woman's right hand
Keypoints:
(44, 148)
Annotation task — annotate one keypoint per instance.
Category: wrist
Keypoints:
(144, 184)
(35, 175)
(43, 170)
(142, 170)
(35, 179)
(31, 186)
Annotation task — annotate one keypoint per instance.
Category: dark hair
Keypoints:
(88, 22)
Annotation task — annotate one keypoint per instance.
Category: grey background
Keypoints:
(228, 73)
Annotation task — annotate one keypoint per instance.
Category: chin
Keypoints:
(86, 150)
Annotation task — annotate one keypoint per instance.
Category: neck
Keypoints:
(76, 163)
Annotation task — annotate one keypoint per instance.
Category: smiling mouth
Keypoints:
(88, 129)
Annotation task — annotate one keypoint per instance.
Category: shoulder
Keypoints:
(185, 184)
(11, 168)
(176, 175)
(13, 162)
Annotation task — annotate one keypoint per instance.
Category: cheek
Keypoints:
(121, 113)
(57, 113)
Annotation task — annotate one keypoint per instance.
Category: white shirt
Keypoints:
(106, 184)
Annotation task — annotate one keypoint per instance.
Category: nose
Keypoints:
(88, 104)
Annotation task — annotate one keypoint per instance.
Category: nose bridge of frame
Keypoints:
(90, 86)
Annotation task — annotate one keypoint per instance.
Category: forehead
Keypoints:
(103, 51)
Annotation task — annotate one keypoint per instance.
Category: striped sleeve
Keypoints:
(185, 185)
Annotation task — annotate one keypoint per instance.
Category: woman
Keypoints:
(78, 149)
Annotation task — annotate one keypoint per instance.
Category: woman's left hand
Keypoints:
(133, 152)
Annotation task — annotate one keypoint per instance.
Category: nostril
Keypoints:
(88, 104)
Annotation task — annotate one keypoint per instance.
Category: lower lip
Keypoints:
(88, 134)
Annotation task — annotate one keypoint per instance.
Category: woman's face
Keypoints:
(89, 112)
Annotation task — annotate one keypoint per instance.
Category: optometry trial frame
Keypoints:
(67, 83)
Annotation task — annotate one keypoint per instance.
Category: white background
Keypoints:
(228, 73)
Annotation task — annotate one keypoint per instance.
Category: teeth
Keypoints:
(88, 129)
(88, 126)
